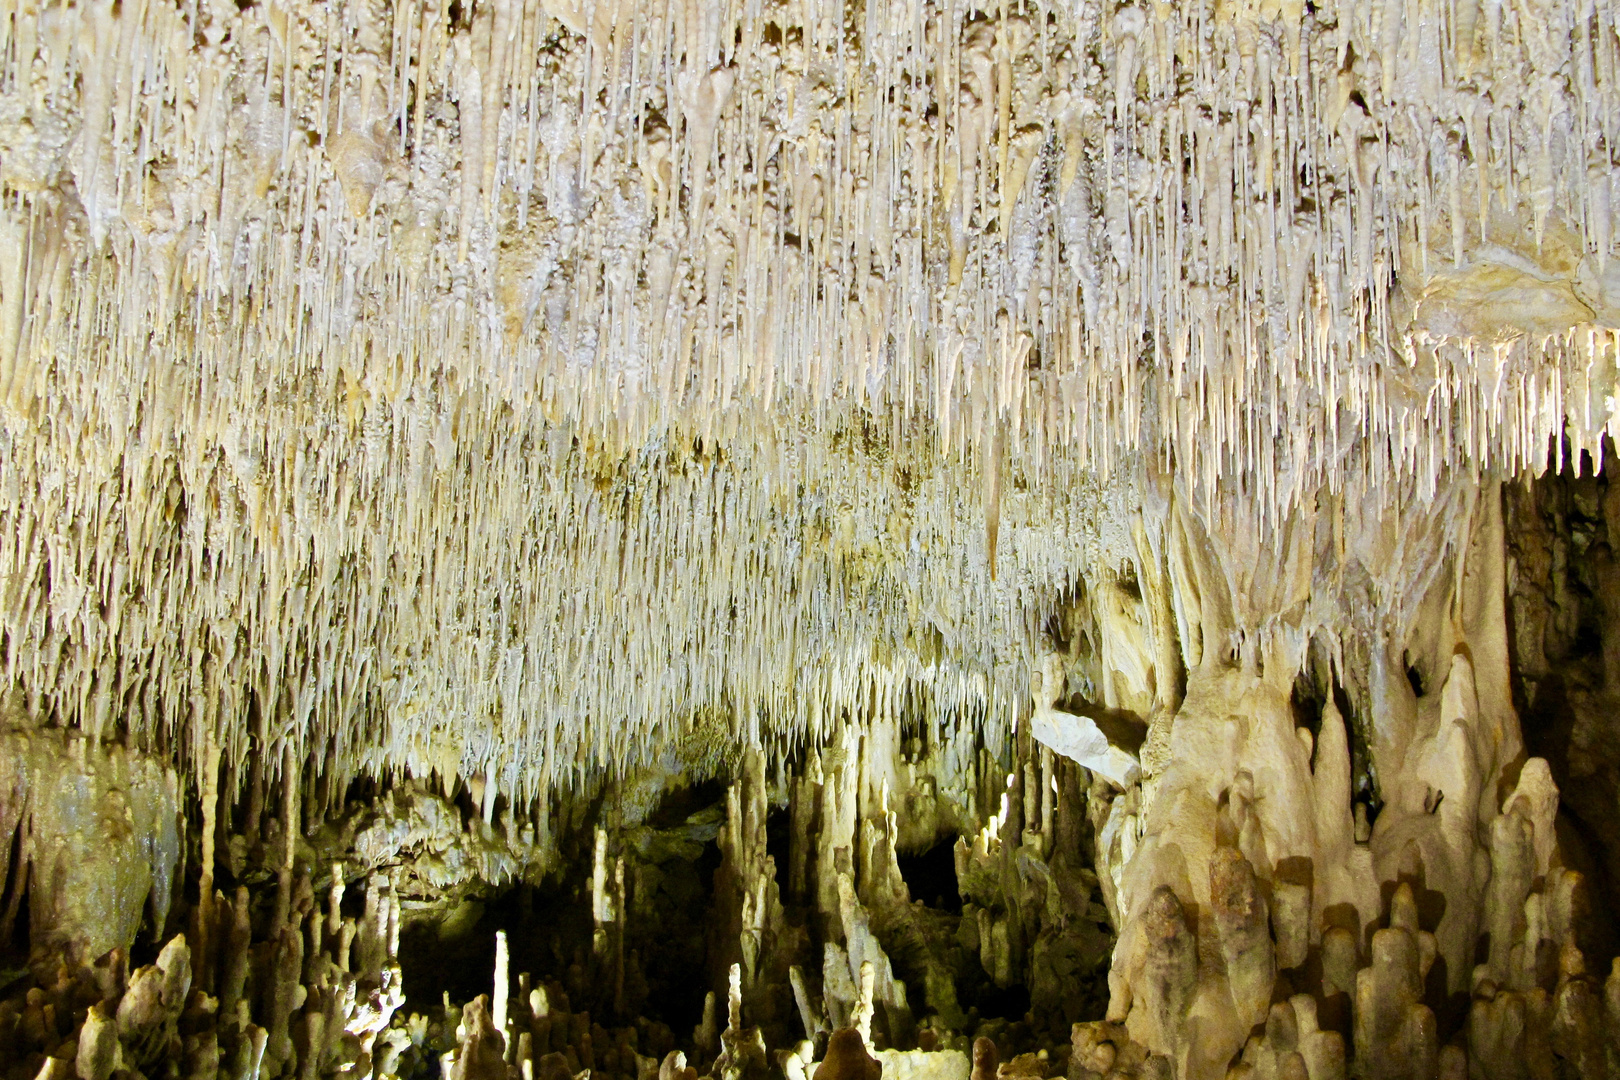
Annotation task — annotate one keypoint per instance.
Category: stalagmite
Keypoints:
(861, 1018)
(1169, 975)
(100, 1052)
(503, 983)
(1240, 921)
(481, 1055)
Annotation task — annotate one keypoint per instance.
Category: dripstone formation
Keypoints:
(754, 539)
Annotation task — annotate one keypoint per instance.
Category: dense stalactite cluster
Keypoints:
(323, 326)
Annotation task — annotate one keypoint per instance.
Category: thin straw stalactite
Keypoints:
(456, 385)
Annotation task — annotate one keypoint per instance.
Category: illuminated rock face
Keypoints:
(98, 836)
(436, 436)
(436, 382)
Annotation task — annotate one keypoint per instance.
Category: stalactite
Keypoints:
(501, 189)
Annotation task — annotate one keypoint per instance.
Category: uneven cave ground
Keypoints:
(448, 954)
(671, 929)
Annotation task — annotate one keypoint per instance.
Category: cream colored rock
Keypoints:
(1238, 911)
(1078, 737)
(100, 1052)
(923, 1065)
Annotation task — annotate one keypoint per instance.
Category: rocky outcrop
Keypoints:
(96, 834)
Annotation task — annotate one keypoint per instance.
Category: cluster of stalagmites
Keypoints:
(307, 995)
(1534, 1010)
(281, 984)
(1301, 989)
(1319, 997)
(539, 1035)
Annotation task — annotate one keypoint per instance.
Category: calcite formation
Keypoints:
(767, 330)
(93, 836)
(956, 539)
(307, 1001)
